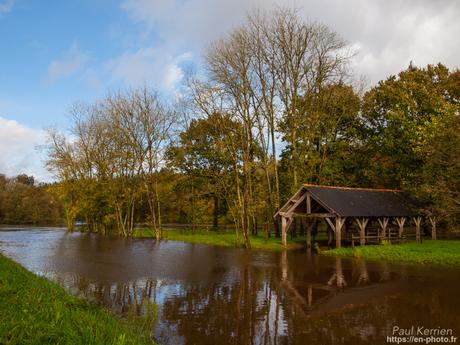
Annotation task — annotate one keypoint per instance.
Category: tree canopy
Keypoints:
(276, 107)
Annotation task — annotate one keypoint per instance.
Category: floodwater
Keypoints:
(211, 295)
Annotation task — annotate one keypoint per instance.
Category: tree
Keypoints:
(327, 138)
(411, 124)
(118, 150)
(24, 201)
(308, 57)
(258, 75)
(204, 156)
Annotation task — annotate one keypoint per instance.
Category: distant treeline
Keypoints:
(276, 106)
(23, 201)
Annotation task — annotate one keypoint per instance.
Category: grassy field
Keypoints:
(34, 310)
(440, 252)
(223, 239)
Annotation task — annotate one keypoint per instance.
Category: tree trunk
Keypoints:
(215, 223)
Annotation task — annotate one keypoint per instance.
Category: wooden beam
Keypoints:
(291, 209)
(417, 221)
(308, 203)
(339, 221)
(284, 231)
(293, 199)
(285, 225)
(311, 215)
(401, 221)
(384, 224)
(362, 223)
(329, 221)
(433, 227)
(288, 225)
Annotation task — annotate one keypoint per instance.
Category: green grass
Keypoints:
(439, 252)
(34, 310)
(223, 239)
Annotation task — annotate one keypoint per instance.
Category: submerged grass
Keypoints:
(34, 310)
(223, 239)
(439, 252)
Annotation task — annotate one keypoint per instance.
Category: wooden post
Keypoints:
(308, 203)
(401, 221)
(362, 223)
(417, 221)
(339, 221)
(433, 227)
(383, 224)
(329, 235)
(308, 223)
(284, 231)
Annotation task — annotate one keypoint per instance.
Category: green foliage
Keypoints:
(321, 139)
(276, 76)
(411, 130)
(113, 162)
(142, 317)
(204, 157)
(23, 201)
(227, 164)
(35, 311)
(439, 252)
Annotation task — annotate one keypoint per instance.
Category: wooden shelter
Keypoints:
(355, 207)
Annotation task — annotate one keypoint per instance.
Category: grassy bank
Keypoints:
(223, 239)
(34, 310)
(440, 252)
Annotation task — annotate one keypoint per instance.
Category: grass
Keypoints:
(34, 310)
(439, 252)
(223, 239)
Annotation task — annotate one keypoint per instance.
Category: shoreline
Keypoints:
(35, 310)
(441, 252)
(445, 253)
(223, 239)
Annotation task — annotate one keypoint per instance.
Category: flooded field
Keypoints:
(211, 295)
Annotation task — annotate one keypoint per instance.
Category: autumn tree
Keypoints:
(260, 74)
(203, 154)
(327, 138)
(24, 201)
(411, 126)
(118, 149)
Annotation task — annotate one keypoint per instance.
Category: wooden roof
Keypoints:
(354, 202)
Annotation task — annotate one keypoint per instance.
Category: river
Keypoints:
(213, 295)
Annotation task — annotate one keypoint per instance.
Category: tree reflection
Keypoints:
(300, 300)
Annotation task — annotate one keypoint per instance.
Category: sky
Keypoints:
(56, 53)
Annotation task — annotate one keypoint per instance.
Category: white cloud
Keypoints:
(149, 65)
(18, 150)
(388, 33)
(72, 61)
(6, 6)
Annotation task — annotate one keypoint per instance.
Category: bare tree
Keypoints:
(117, 151)
(259, 74)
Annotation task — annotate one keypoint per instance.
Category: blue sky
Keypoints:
(33, 38)
(55, 53)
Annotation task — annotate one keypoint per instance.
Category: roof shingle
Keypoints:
(360, 202)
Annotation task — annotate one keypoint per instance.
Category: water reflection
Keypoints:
(208, 295)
